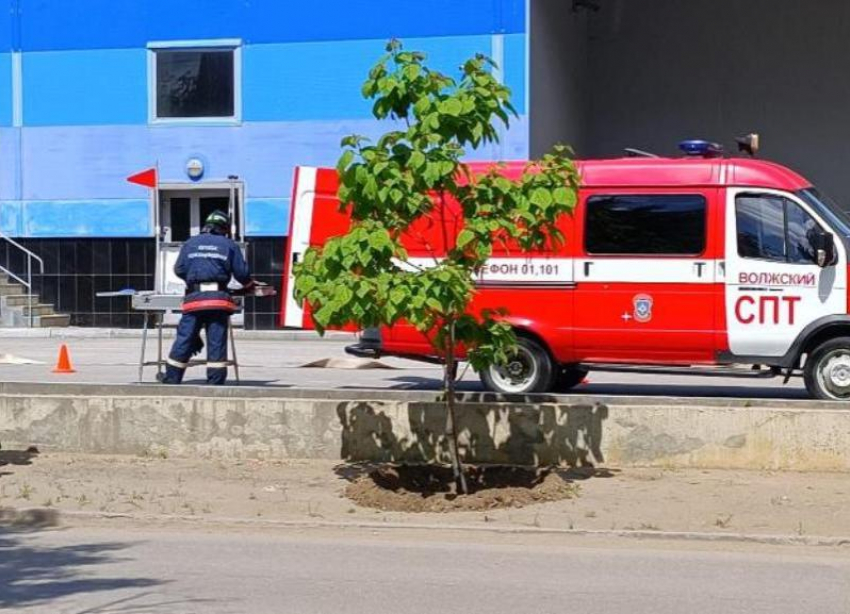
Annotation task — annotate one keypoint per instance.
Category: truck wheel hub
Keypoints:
(840, 375)
(835, 374)
(516, 375)
(516, 368)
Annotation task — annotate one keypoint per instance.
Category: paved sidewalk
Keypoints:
(280, 358)
(74, 332)
(708, 503)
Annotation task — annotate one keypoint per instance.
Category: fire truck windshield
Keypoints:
(835, 214)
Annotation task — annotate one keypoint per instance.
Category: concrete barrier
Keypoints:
(381, 425)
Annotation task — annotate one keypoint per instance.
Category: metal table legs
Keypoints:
(160, 318)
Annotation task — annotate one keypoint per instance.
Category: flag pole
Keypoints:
(157, 221)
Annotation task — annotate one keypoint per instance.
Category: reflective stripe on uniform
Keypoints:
(177, 363)
(218, 304)
(217, 365)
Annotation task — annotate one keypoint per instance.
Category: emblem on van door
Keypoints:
(643, 307)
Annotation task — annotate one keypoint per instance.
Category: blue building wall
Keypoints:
(84, 98)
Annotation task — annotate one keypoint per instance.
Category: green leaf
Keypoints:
(412, 71)
(564, 196)
(434, 304)
(464, 238)
(398, 296)
(344, 160)
(452, 107)
(417, 159)
(541, 197)
(343, 295)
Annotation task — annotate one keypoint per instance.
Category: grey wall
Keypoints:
(659, 71)
(558, 76)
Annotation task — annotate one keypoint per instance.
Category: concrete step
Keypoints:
(7, 288)
(19, 300)
(40, 309)
(57, 320)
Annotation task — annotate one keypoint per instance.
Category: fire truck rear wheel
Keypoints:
(530, 370)
(827, 370)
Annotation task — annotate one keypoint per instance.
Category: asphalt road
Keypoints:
(270, 362)
(106, 571)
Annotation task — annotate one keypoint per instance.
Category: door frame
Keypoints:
(193, 191)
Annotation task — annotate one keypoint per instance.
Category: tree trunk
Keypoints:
(451, 427)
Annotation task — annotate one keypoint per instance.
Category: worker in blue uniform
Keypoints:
(207, 262)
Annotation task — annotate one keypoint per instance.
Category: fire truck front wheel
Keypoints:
(827, 370)
(530, 370)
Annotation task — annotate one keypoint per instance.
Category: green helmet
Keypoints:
(218, 219)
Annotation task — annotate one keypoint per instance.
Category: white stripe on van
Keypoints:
(302, 212)
(550, 271)
(645, 270)
(526, 271)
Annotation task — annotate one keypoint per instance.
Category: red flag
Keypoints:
(146, 178)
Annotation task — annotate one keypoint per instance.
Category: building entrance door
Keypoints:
(182, 212)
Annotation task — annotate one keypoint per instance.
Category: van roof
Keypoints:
(694, 171)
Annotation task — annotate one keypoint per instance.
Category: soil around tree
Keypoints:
(427, 488)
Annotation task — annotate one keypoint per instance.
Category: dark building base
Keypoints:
(75, 270)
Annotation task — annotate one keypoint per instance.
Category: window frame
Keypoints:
(231, 44)
(786, 200)
(696, 256)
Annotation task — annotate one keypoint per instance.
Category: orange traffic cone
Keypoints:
(63, 365)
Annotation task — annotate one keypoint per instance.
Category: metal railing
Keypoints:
(28, 282)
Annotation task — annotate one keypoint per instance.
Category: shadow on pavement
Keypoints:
(415, 382)
(689, 390)
(16, 457)
(630, 389)
(353, 471)
(231, 383)
(32, 574)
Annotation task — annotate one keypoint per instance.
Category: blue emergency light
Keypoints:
(698, 147)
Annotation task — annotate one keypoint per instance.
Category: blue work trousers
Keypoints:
(188, 342)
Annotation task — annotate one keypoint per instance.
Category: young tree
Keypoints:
(413, 174)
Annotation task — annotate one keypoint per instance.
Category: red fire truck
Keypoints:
(699, 260)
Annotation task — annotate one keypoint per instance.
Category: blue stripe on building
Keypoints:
(5, 89)
(111, 24)
(261, 154)
(106, 86)
(309, 81)
(90, 218)
(514, 69)
(285, 82)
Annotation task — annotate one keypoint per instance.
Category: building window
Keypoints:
(194, 83)
(775, 228)
(642, 225)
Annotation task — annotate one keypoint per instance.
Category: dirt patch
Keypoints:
(414, 488)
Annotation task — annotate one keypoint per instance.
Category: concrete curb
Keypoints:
(775, 540)
(404, 426)
(168, 333)
(190, 392)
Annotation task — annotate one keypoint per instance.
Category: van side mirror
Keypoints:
(824, 244)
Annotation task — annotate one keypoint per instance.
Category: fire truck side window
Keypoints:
(800, 231)
(774, 228)
(761, 227)
(646, 224)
